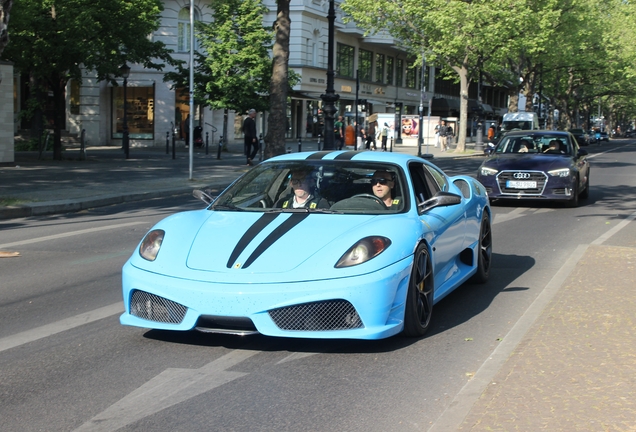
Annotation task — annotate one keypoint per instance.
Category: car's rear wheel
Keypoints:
(419, 298)
(484, 250)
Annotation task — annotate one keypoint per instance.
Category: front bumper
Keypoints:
(376, 299)
(547, 187)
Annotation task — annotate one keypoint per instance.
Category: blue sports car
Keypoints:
(545, 165)
(338, 244)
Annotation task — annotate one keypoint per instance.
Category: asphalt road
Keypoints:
(66, 364)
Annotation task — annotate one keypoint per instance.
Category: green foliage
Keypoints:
(233, 66)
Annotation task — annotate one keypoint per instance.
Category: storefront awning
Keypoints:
(487, 108)
(445, 105)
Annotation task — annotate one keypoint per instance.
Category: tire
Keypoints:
(586, 190)
(484, 258)
(419, 298)
(574, 201)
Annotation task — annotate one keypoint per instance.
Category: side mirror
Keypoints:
(441, 199)
(203, 196)
(582, 152)
(489, 150)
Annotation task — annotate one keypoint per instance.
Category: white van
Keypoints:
(520, 120)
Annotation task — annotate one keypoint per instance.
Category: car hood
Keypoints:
(527, 161)
(234, 247)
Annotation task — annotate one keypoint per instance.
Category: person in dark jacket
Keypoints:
(250, 136)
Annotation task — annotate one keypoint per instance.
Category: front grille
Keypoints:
(537, 176)
(318, 316)
(154, 308)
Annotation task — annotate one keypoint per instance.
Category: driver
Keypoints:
(383, 183)
(303, 193)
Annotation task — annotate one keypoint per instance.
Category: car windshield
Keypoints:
(509, 125)
(317, 186)
(547, 144)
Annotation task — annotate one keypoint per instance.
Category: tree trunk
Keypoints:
(58, 87)
(277, 120)
(460, 131)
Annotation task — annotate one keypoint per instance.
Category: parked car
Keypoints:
(581, 136)
(545, 165)
(604, 136)
(256, 260)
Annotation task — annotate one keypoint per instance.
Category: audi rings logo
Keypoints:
(521, 175)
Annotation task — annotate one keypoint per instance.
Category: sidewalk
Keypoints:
(36, 187)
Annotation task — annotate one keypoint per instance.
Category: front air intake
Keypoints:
(318, 316)
(154, 308)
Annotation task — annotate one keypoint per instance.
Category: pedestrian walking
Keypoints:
(186, 130)
(384, 134)
(250, 136)
(339, 132)
(360, 136)
(443, 136)
(371, 132)
(437, 126)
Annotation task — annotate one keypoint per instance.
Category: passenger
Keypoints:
(303, 194)
(383, 184)
(525, 146)
(554, 147)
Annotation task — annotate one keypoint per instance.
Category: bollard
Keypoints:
(300, 144)
(391, 145)
(168, 142)
(261, 147)
(174, 144)
(319, 142)
(218, 154)
(206, 142)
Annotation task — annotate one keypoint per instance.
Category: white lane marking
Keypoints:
(295, 356)
(60, 326)
(169, 388)
(614, 230)
(68, 234)
(505, 217)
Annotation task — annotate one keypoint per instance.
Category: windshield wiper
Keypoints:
(228, 206)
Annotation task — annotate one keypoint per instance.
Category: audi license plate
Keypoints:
(518, 184)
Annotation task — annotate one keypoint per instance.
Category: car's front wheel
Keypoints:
(585, 193)
(574, 201)
(419, 298)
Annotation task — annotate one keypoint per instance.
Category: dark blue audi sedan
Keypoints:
(537, 164)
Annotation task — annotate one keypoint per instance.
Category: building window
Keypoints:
(389, 70)
(365, 64)
(379, 68)
(140, 108)
(75, 97)
(344, 60)
(399, 72)
(411, 74)
(183, 30)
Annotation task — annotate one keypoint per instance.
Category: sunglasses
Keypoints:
(297, 182)
(382, 181)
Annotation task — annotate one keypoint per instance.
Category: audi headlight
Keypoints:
(363, 251)
(151, 244)
(485, 171)
(562, 172)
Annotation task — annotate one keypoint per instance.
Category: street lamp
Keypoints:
(330, 97)
(125, 139)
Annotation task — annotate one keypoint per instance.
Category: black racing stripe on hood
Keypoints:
(249, 235)
(275, 235)
(318, 155)
(346, 155)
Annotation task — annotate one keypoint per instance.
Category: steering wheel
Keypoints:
(373, 197)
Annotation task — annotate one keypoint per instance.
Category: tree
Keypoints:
(55, 40)
(233, 68)
(277, 121)
(457, 35)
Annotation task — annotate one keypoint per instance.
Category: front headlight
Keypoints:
(485, 171)
(363, 251)
(562, 172)
(151, 244)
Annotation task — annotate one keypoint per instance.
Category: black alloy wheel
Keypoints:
(484, 259)
(419, 298)
(574, 201)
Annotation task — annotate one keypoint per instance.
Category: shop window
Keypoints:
(399, 72)
(344, 60)
(411, 74)
(140, 109)
(365, 64)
